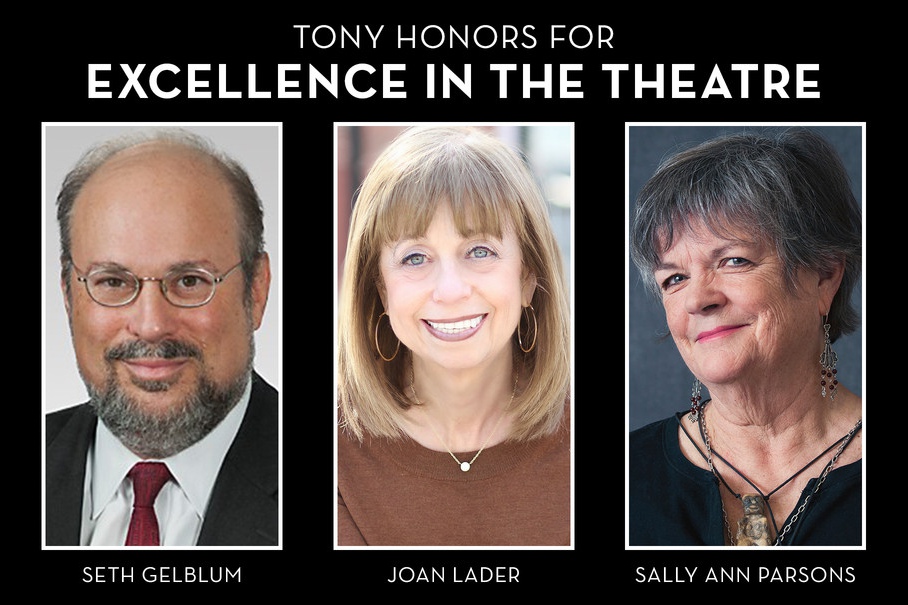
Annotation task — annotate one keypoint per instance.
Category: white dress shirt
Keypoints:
(181, 503)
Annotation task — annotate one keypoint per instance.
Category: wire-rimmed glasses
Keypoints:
(183, 286)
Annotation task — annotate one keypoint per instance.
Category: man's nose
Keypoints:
(152, 316)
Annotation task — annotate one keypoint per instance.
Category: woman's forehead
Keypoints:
(412, 220)
(703, 232)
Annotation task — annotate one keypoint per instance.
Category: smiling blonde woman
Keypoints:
(454, 369)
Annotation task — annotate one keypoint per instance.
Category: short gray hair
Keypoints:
(790, 188)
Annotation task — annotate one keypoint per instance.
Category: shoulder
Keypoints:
(262, 389)
(60, 417)
(657, 447)
(349, 444)
(77, 418)
(651, 435)
(263, 407)
(259, 429)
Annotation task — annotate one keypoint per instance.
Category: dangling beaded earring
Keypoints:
(828, 360)
(695, 406)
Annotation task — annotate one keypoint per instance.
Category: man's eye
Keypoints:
(190, 281)
(110, 282)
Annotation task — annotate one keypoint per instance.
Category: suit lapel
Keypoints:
(69, 434)
(243, 508)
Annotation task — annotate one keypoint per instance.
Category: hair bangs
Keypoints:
(708, 199)
(479, 204)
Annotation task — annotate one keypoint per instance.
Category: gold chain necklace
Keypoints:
(465, 466)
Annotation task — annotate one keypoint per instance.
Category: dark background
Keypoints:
(47, 82)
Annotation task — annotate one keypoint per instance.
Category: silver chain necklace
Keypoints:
(843, 442)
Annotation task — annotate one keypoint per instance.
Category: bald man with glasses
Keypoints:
(165, 281)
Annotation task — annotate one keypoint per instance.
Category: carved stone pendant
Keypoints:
(753, 528)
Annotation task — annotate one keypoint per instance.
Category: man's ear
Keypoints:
(261, 285)
(67, 296)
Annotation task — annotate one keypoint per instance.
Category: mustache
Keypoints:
(166, 349)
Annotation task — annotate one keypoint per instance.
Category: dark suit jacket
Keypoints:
(243, 508)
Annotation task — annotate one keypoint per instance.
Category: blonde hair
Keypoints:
(487, 184)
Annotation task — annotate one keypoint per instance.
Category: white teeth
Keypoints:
(457, 326)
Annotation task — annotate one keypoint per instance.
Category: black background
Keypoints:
(47, 82)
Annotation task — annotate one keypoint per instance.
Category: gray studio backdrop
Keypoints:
(659, 384)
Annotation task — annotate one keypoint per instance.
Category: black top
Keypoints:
(672, 502)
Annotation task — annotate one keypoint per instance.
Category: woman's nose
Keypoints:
(451, 282)
(702, 293)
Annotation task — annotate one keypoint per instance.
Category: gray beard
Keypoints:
(164, 433)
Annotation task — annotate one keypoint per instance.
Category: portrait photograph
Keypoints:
(161, 357)
(454, 335)
(745, 343)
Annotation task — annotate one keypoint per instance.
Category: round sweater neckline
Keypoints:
(414, 458)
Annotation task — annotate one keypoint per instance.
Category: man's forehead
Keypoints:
(155, 196)
(162, 168)
(156, 156)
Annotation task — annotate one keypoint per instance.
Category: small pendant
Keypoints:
(464, 466)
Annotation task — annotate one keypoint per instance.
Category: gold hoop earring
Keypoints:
(535, 330)
(378, 347)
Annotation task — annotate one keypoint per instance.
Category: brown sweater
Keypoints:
(399, 493)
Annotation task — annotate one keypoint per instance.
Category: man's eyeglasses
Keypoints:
(182, 287)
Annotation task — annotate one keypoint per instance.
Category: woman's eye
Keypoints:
(672, 280)
(414, 259)
(480, 252)
(737, 261)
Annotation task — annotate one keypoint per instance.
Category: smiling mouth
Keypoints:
(720, 331)
(155, 369)
(455, 327)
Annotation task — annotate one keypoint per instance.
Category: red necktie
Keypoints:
(147, 480)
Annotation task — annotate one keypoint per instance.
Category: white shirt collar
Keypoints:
(194, 469)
